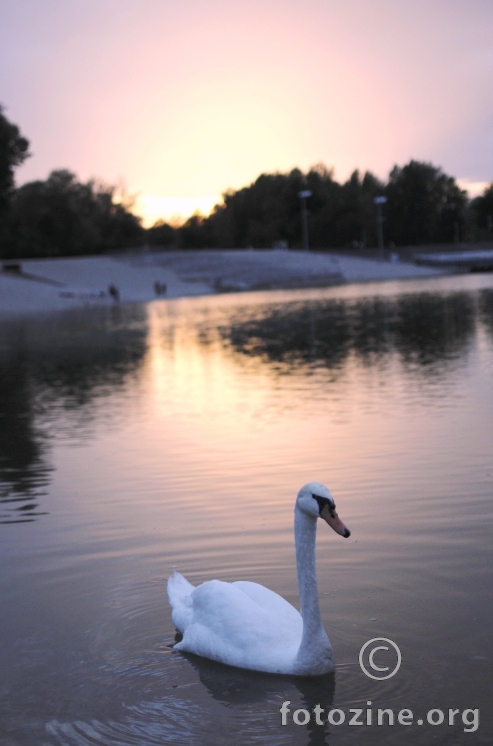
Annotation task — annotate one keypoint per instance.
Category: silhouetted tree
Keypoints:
(161, 234)
(13, 151)
(62, 217)
(322, 206)
(261, 214)
(268, 211)
(347, 215)
(424, 205)
(482, 208)
(195, 233)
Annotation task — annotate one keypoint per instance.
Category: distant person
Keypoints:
(160, 288)
(114, 292)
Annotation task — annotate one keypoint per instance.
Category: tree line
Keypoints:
(423, 206)
(62, 216)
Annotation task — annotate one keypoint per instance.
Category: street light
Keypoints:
(379, 201)
(304, 217)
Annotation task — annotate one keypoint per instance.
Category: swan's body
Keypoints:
(246, 625)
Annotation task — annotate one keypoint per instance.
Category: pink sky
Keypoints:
(182, 99)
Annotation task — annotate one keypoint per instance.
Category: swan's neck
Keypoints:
(315, 644)
(305, 529)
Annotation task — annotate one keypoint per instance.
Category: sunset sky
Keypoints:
(182, 99)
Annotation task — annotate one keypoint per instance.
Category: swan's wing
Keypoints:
(231, 627)
(180, 599)
(269, 600)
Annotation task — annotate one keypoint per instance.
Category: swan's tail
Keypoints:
(179, 595)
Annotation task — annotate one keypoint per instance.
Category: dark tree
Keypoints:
(482, 208)
(261, 214)
(195, 233)
(424, 206)
(64, 217)
(268, 211)
(13, 151)
(161, 234)
(345, 214)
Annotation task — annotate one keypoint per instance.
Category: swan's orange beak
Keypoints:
(335, 522)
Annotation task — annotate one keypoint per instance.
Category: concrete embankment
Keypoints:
(44, 285)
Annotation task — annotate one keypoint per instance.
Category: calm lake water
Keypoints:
(134, 439)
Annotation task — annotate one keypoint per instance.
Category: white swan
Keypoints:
(246, 625)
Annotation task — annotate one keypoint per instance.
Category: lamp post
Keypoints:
(379, 201)
(303, 195)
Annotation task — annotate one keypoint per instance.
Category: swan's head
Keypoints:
(314, 499)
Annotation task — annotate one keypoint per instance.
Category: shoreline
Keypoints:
(45, 285)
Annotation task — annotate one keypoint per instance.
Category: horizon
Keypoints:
(183, 103)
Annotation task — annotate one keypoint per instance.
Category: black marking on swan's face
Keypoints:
(325, 501)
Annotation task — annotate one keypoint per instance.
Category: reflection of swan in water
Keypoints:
(248, 626)
(256, 698)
